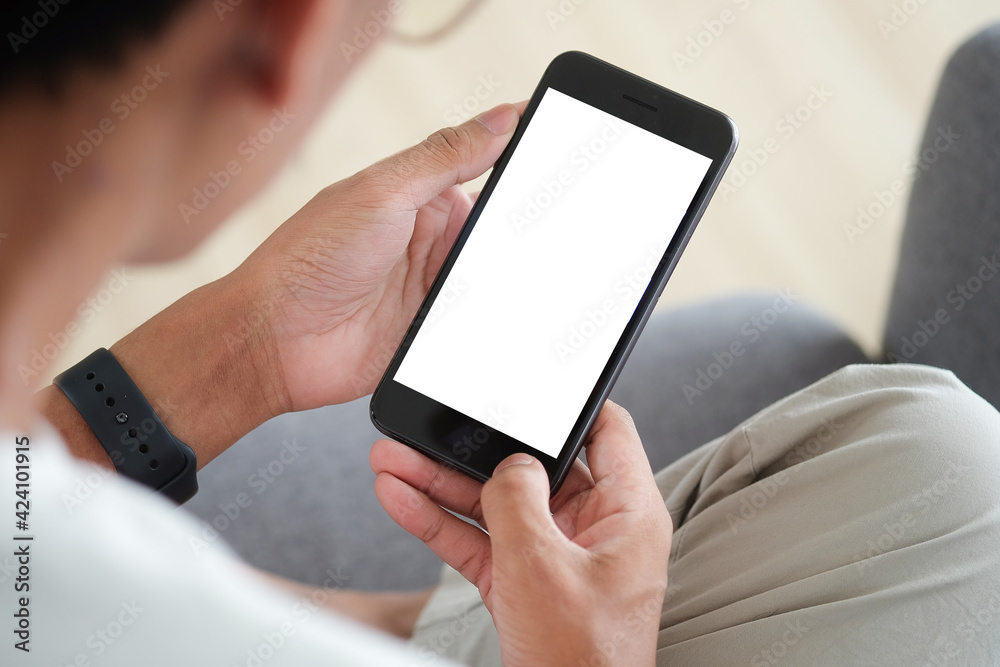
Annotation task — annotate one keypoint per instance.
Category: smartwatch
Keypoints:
(140, 446)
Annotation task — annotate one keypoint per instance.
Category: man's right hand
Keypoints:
(566, 581)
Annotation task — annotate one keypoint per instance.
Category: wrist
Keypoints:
(62, 414)
(205, 366)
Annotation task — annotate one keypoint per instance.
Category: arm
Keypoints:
(312, 316)
(201, 365)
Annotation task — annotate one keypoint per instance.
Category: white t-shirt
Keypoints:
(117, 575)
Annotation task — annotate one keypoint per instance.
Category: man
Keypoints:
(345, 274)
(110, 574)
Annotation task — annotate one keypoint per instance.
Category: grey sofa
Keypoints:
(313, 515)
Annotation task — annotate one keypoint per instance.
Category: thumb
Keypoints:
(515, 504)
(448, 157)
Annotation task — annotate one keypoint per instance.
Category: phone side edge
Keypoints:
(563, 465)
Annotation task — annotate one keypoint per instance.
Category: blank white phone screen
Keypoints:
(552, 272)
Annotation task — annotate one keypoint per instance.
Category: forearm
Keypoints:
(206, 365)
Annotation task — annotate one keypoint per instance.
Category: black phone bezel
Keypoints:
(476, 448)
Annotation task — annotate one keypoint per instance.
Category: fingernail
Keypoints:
(499, 120)
(515, 460)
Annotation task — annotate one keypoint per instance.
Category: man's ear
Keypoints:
(285, 44)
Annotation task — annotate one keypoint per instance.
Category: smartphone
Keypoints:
(554, 274)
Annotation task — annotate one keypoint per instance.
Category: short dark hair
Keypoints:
(44, 39)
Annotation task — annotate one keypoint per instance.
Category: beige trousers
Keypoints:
(856, 522)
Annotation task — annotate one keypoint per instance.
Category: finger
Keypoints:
(614, 450)
(437, 226)
(448, 157)
(462, 545)
(572, 496)
(445, 486)
(516, 505)
(520, 106)
(457, 204)
(461, 205)
(457, 216)
(452, 489)
(577, 481)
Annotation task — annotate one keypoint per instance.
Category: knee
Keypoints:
(944, 416)
(900, 427)
(933, 437)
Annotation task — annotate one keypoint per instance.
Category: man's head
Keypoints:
(182, 108)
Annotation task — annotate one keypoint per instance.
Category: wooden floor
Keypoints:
(784, 225)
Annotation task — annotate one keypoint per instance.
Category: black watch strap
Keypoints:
(139, 445)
